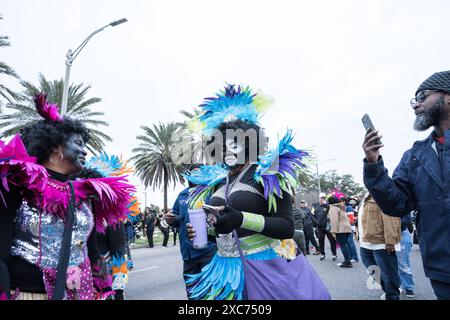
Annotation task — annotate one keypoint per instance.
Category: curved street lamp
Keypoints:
(71, 55)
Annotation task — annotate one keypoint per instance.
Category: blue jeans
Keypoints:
(342, 238)
(387, 262)
(351, 244)
(404, 265)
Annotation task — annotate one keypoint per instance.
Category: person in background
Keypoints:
(149, 222)
(404, 264)
(351, 218)
(308, 229)
(320, 218)
(193, 259)
(299, 218)
(163, 227)
(340, 227)
(379, 240)
(175, 233)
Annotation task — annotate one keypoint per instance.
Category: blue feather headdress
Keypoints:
(230, 104)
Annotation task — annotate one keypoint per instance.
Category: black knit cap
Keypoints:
(439, 81)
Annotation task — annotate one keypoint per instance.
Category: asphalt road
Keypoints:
(157, 275)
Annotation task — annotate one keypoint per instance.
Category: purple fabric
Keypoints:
(278, 279)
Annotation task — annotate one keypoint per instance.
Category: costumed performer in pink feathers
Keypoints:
(46, 217)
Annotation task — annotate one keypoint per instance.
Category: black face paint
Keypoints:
(234, 154)
(74, 151)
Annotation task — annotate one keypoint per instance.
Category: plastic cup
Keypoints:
(197, 218)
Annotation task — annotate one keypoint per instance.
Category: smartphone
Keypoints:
(368, 125)
(212, 214)
(210, 209)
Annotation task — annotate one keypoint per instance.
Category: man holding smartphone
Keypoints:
(421, 181)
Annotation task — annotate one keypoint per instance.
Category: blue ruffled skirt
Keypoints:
(223, 277)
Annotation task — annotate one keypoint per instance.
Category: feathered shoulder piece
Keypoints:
(205, 179)
(109, 165)
(278, 169)
(18, 168)
(112, 166)
(47, 111)
(229, 104)
(111, 198)
(134, 213)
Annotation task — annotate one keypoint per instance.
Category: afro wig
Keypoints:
(42, 137)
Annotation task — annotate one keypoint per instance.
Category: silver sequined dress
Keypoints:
(38, 236)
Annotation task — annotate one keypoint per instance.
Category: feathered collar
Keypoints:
(109, 196)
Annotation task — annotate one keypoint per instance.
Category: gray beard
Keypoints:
(432, 117)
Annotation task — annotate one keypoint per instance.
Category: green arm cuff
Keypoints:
(253, 221)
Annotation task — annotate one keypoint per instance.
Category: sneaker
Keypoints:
(345, 265)
(322, 258)
(410, 294)
(353, 260)
(334, 258)
(383, 296)
(316, 253)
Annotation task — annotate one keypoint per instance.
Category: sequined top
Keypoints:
(38, 236)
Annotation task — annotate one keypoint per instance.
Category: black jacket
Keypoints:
(308, 218)
(320, 215)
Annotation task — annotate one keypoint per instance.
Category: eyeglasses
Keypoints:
(421, 96)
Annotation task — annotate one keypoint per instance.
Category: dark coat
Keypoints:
(320, 215)
(419, 184)
(299, 218)
(308, 217)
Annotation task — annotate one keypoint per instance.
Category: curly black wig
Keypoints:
(261, 140)
(332, 200)
(43, 136)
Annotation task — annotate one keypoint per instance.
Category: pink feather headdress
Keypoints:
(337, 194)
(47, 111)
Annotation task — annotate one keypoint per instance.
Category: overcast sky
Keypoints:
(325, 63)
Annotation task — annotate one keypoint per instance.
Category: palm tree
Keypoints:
(153, 157)
(6, 70)
(188, 140)
(78, 107)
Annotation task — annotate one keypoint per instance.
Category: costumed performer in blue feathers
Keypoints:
(250, 188)
(112, 244)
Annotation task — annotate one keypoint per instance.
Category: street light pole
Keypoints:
(318, 176)
(71, 55)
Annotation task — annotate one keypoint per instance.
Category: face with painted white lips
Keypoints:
(233, 156)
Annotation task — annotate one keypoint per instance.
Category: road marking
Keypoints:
(145, 269)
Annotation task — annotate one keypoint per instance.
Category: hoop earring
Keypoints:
(61, 158)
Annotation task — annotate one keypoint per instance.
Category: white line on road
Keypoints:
(145, 269)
